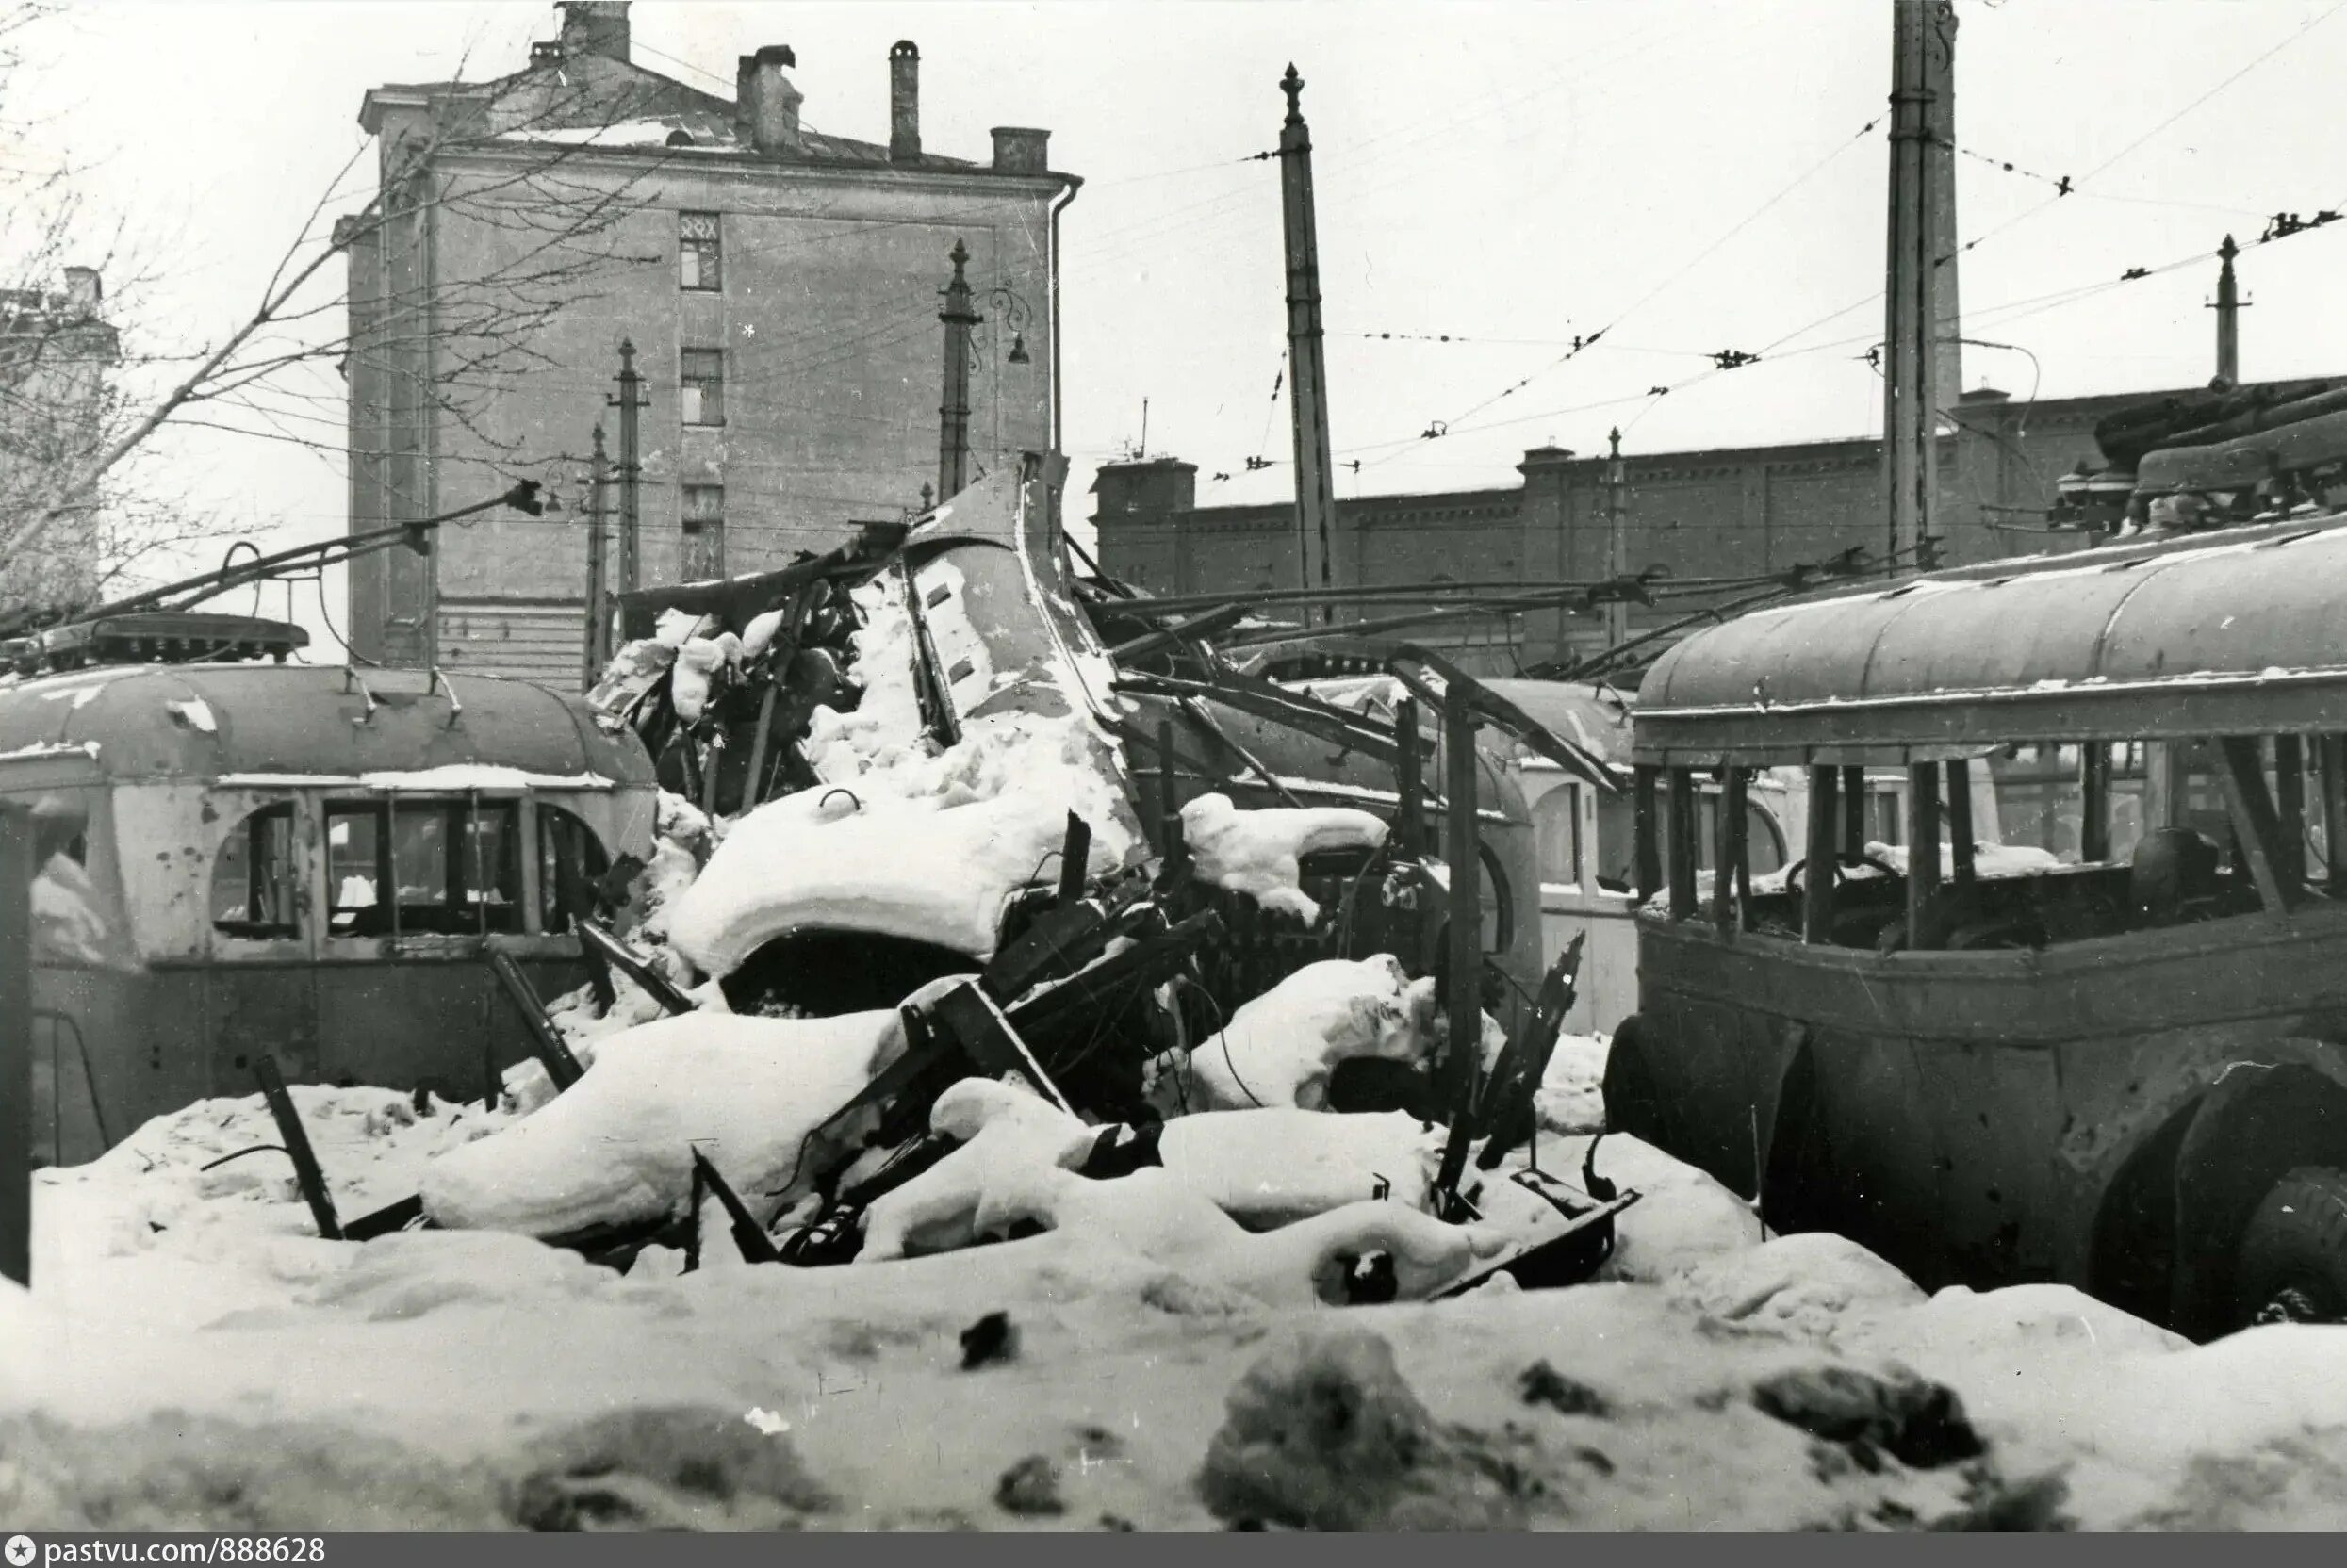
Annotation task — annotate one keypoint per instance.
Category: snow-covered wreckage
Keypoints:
(959, 929)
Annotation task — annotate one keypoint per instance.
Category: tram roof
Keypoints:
(2241, 632)
(297, 722)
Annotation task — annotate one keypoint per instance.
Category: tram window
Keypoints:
(1499, 914)
(252, 879)
(570, 862)
(449, 867)
(1764, 841)
(1556, 822)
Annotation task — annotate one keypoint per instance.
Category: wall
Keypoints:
(834, 354)
(1723, 513)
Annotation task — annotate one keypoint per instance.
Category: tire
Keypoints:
(1634, 1102)
(2292, 1265)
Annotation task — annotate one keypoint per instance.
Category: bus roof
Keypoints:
(1596, 718)
(2241, 632)
(317, 723)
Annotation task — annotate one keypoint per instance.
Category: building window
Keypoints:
(702, 386)
(704, 533)
(699, 261)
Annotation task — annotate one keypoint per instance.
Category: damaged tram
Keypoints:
(301, 862)
(2123, 1068)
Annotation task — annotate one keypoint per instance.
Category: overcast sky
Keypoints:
(1689, 176)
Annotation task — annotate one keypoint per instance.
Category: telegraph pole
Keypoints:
(2229, 308)
(1315, 500)
(597, 641)
(1618, 546)
(628, 401)
(1911, 316)
(953, 416)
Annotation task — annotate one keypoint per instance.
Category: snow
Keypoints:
(1256, 852)
(1280, 1047)
(50, 748)
(1270, 1167)
(195, 714)
(616, 1148)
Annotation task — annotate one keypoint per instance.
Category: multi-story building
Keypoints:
(56, 353)
(779, 288)
(1728, 513)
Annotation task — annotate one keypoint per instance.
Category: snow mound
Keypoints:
(940, 876)
(1571, 1097)
(408, 1274)
(1257, 853)
(616, 1148)
(1808, 1285)
(1280, 1047)
(1003, 1130)
(1270, 1167)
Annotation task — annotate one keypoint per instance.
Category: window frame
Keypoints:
(706, 529)
(291, 877)
(459, 867)
(701, 398)
(707, 255)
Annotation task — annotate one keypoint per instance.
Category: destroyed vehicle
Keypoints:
(301, 862)
(1000, 628)
(2124, 1069)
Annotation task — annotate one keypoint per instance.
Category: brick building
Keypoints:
(779, 285)
(1723, 513)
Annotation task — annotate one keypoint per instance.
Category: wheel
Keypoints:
(1633, 1102)
(2292, 1267)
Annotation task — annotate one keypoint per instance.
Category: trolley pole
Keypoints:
(598, 640)
(16, 1044)
(628, 400)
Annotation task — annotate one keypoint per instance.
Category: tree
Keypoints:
(510, 156)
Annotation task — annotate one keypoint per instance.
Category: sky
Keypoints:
(1494, 177)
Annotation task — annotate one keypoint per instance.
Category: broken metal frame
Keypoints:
(297, 1142)
(601, 945)
(552, 1050)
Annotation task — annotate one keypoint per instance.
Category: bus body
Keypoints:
(304, 862)
(2121, 1064)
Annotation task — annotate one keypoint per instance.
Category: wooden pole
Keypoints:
(1911, 316)
(1315, 500)
(597, 645)
(1960, 818)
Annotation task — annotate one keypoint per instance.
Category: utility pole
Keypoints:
(1911, 316)
(1316, 499)
(628, 401)
(1618, 546)
(1938, 164)
(953, 416)
(597, 641)
(2229, 308)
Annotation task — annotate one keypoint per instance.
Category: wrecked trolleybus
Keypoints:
(301, 862)
(2123, 1068)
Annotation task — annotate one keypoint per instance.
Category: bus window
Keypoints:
(449, 868)
(252, 879)
(1556, 823)
(1764, 841)
(570, 862)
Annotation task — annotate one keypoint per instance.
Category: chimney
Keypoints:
(82, 290)
(595, 27)
(1019, 151)
(765, 105)
(904, 103)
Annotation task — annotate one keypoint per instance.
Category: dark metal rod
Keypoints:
(298, 1146)
(553, 1052)
(1464, 969)
(1959, 836)
(1923, 847)
(1409, 825)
